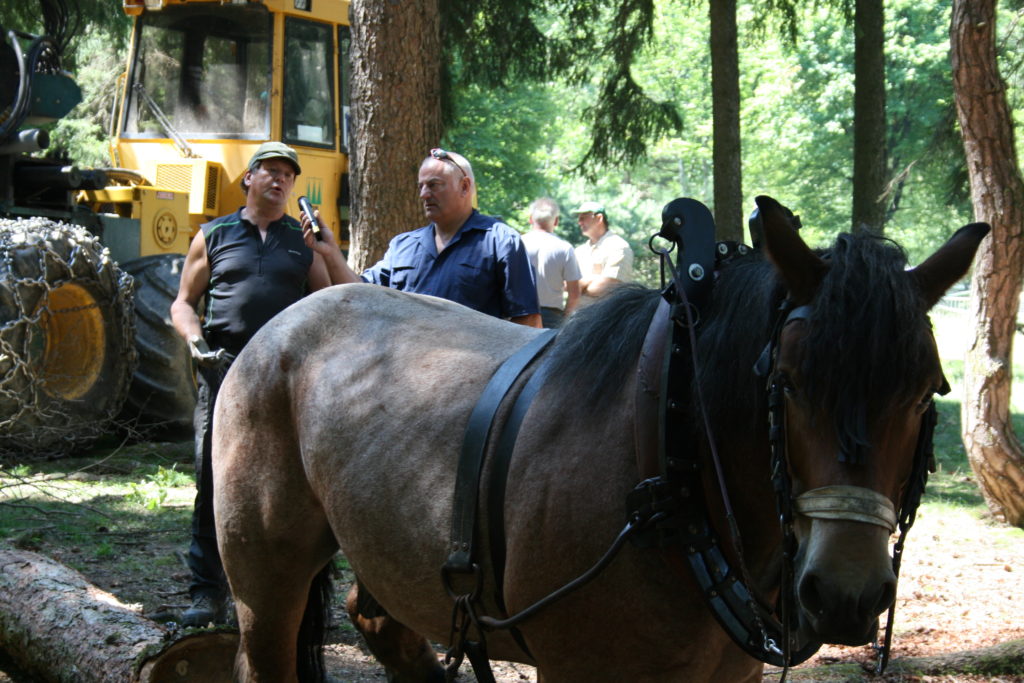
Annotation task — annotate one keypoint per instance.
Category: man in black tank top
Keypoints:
(250, 265)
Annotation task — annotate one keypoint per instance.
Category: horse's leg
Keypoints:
(274, 538)
(406, 655)
(271, 584)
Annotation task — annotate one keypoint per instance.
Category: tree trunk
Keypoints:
(997, 193)
(58, 627)
(396, 117)
(725, 105)
(869, 143)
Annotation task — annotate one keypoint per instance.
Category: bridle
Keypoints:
(852, 503)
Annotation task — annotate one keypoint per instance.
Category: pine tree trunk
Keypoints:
(997, 192)
(869, 125)
(725, 104)
(58, 627)
(396, 117)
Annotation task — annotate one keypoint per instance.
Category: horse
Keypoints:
(339, 428)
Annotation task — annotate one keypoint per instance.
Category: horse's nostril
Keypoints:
(810, 594)
(883, 598)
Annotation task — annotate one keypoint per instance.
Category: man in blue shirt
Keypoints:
(462, 255)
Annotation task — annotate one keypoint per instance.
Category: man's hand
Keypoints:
(200, 350)
(326, 244)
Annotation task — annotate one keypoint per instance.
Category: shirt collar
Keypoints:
(427, 237)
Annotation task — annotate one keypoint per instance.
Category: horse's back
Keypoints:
(357, 397)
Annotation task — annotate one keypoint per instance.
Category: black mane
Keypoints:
(870, 346)
(599, 345)
(867, 349)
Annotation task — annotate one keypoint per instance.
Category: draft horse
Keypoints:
(339, 428)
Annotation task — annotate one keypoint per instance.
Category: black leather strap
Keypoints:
(467, 483)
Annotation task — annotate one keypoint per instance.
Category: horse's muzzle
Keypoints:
(844, 573)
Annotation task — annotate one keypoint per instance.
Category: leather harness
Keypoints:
(667, 509)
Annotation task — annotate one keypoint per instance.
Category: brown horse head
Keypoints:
(858, 367)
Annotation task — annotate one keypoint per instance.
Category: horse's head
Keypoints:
(857, 366)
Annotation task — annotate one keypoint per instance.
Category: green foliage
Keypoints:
(499, 43)
(152, 492)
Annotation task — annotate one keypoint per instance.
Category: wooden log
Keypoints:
(58, 627)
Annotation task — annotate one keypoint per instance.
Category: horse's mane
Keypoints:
(597, 349)
(868, 345)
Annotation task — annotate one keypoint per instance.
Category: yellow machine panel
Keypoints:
(163, 215)
(164, 220)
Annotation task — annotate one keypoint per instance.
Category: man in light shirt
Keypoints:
(554, 264)
(606, 259)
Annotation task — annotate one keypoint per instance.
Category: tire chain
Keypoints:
(51, 433)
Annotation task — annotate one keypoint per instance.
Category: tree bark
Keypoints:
(997, 193)
(58, 627)
(869, 126)
(725, 106)
(396, 117)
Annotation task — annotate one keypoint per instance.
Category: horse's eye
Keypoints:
(788, 386)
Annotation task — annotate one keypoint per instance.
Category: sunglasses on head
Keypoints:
(442, 155)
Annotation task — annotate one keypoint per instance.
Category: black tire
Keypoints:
(162, 397)
(66, 338)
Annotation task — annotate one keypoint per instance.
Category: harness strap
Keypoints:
(652, 370)
(467, 480)
(502, 459)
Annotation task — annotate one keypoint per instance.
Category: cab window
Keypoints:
(309, 83)
(201, 73)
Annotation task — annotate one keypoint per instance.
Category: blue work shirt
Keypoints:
(484, 267)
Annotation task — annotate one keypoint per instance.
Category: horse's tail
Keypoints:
(313, 629)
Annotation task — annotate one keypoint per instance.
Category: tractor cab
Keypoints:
(207, 82)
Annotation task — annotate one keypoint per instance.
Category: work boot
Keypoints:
(205, 609)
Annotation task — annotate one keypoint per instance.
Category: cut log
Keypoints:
(58, 627)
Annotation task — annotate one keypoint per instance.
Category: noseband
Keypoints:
(853, 503)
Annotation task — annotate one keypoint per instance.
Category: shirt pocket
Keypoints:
(475, 280)
(403, 277)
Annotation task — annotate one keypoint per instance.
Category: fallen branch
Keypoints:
(1004, 659)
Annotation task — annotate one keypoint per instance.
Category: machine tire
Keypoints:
(162, 397)
(67, 349)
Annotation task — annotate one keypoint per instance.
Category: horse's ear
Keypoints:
(950, 263)
(800, 268)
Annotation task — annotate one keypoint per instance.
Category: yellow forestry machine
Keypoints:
(90, 258)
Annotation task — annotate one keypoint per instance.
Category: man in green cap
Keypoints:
(249, 265)
(606, 259)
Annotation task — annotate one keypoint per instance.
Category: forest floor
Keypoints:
(122, 522)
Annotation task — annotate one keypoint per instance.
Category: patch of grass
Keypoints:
(952, 483)
(91, 505)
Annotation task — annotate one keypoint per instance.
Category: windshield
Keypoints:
(308, 83)
(206, 68)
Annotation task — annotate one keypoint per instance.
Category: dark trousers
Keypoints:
(203, 556)
(551, 317)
